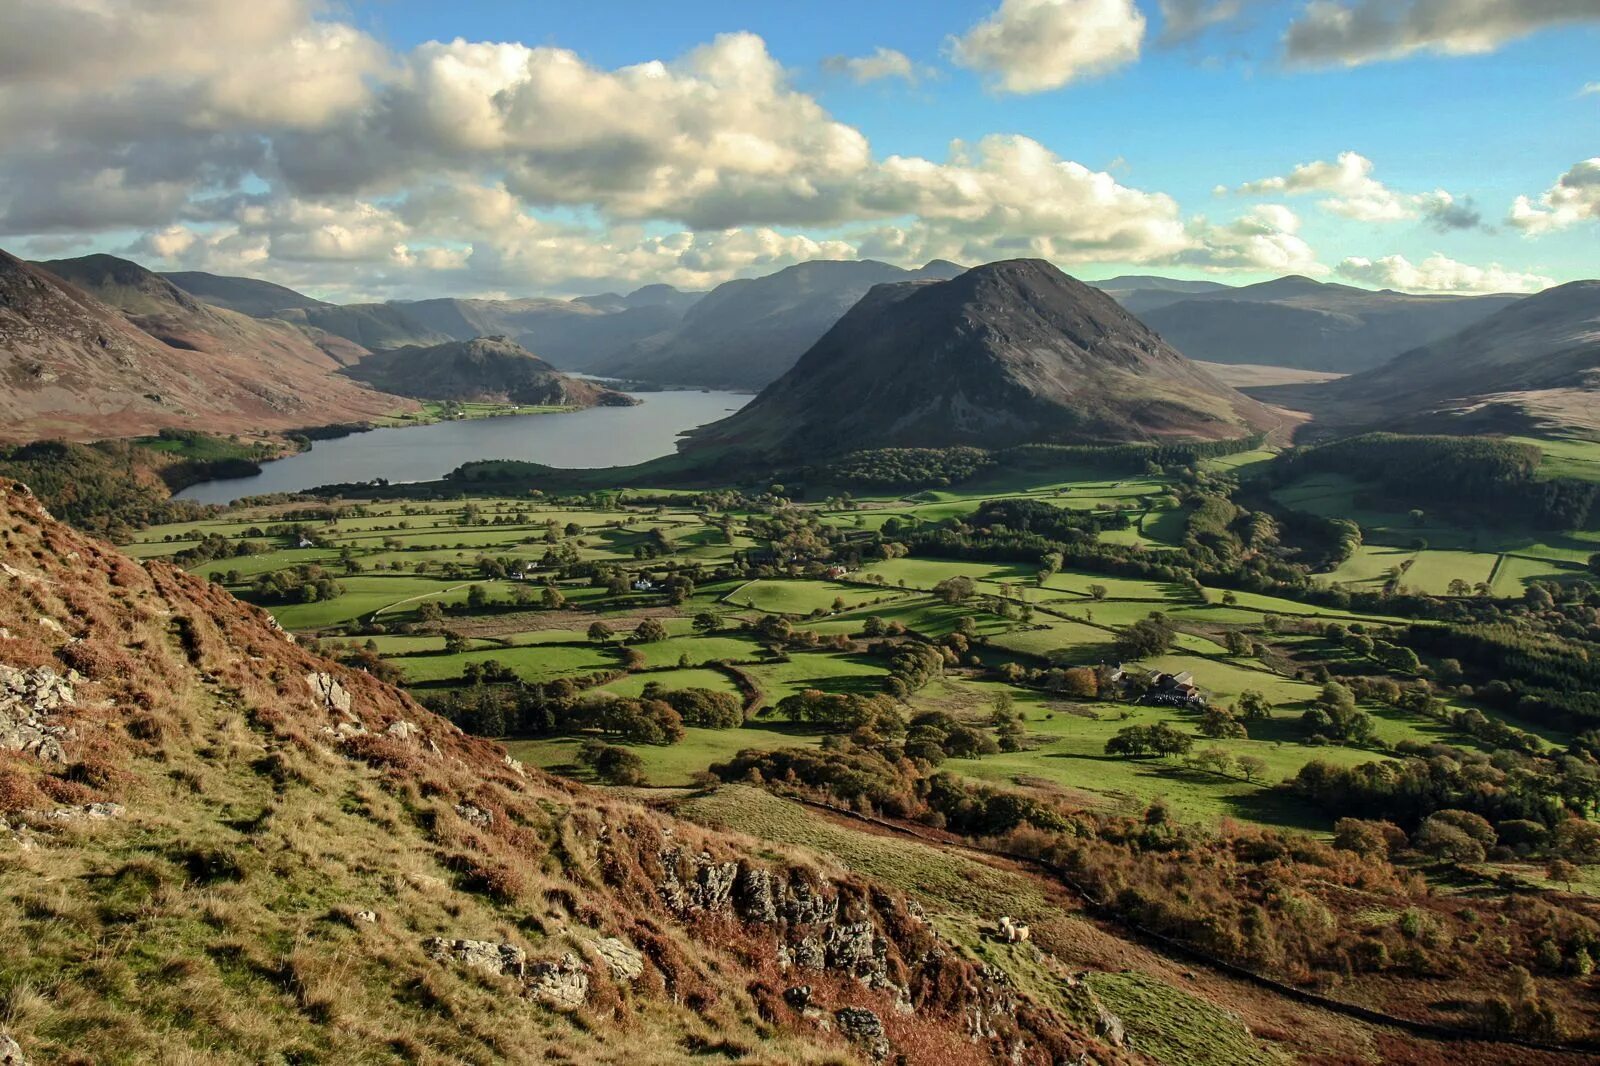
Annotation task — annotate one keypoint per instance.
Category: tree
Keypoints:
(955, 589)
(552, 598)
(1146, 638)
(1098, 592)
(1218, 724)
(649, 631)
(1375, 840)
(599, 632)
(706, 623)
(613, 765)
(477, 597)
(455, 643)
(1253, 706)
(1139, 741)
(1577, 840)
(1252, 767)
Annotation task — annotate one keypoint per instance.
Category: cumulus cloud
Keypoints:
(883, 64)
(1347, 188)
(1591, 89)
(268, 139)
(1030, 46)
(1184, 20)
(1574, 198)
(1445, 212)
(1346, 33)
(1265, 239)
(1438, 273)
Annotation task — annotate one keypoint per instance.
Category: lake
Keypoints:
(599, 436)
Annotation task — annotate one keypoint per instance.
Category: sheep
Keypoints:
(1012, 931)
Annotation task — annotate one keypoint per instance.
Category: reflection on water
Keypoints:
(600, 436)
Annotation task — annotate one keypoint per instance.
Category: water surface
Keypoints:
(600, 436)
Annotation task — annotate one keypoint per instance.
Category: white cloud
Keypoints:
(1591, 89)
(1437, 273)
(1348, 188)
(1353, 32)
(1030, 46)
(1574, 198)
(882, 64)
(1265, 239)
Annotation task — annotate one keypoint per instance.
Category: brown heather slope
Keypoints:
(114, 350)
(217, 846)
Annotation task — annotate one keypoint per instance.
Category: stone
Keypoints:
(485, 955)
(11, 1052)
(29, 700)
(514, 766)
(1108, 1026)
(809, 953)
(626, 963)
(856, 949)
(326, 690)
(475, 815)
(864, 1029)
(369, 917)
(91, 812)
(402, 730)
(563, 984)
(710, 888)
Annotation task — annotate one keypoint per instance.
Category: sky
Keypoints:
(377, 149)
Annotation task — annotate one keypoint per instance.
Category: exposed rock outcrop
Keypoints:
(562, 984)
(625, 963)
(506, 959)
(865, 1029)
(28, 700)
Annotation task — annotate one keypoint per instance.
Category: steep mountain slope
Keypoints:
(217, 846)
(1297, 322)
(744, 334)
(248, 296)
(1537, 360)
(73, 365)
(1004, 354)
(492, 369)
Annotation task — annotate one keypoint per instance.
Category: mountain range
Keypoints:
(1299, 322)
(1002, 354)
(1535, 362)
(744, 334)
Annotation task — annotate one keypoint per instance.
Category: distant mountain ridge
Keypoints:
(1003, 354)
(491, 369)
(746, 333)
(1535, 361)
(1296, 321)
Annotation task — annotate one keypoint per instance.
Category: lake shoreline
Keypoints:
(582, 439)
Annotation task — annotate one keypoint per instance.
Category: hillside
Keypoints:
(1535, 362)
(219, 846)
(1004, 354)
(745, 334)
(117, 350)
(371, 326)
(1298, 322)
(248, 296)
(488, 369)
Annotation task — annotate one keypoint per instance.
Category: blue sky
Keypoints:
(1418, 124)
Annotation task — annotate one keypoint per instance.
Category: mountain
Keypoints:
(1145, 292)
(1537, 360)
(490, 369)
(574, 334)
(118, 351)
(1003, 354)
(274, 857)
(248, 296)
(372, 326)
(746, 333)
(1298, 322)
